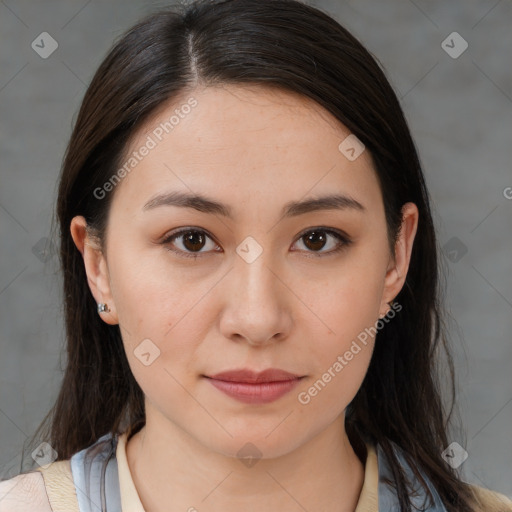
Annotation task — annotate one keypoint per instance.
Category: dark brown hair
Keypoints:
(297, 48)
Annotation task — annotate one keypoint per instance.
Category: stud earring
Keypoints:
(103, 308)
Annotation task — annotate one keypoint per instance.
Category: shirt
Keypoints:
(74, 485)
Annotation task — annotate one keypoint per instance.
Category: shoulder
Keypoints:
(486, 499)
(25, 492)
(491, 501)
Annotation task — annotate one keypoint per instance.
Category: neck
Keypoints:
(174, 472)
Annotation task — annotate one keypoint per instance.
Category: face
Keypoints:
(248, 279)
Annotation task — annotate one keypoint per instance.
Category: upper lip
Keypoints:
(250, 376)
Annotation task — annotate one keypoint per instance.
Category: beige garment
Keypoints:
(130, 501)
(56, 493)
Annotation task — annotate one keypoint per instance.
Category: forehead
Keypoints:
(260, 141)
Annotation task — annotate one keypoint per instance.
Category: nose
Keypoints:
(257, 304)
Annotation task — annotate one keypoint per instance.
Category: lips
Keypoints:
(255, 388)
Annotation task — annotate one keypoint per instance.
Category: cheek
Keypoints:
(346, 303)
(149, 294)
(339, 361)
(348, 308)
(330, 390)
(161, 315)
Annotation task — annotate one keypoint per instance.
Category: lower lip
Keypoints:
(260, 393)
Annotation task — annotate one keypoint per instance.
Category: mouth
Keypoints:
(251, 387)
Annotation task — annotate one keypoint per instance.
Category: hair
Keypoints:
(298, 49)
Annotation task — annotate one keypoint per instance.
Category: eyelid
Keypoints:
(325, 229)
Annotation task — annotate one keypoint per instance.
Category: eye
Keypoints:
(192, 240)
(317, 238)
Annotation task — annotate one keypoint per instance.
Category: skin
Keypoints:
(298, 306)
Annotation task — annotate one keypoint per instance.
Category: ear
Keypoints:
(399, 265)
(95, 267)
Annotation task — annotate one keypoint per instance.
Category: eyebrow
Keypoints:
(291, 209)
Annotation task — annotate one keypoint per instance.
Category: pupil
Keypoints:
(317, 239)
(192, 237)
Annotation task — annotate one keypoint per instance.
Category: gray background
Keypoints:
(460, 113)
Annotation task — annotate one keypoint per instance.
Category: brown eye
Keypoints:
(318, 238)
(193, 241)
(190, 242)
(315, 240)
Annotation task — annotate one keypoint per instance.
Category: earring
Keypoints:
(103, 308)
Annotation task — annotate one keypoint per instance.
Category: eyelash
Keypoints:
(344, 240)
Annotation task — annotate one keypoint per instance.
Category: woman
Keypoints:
(251, 281)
